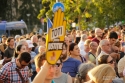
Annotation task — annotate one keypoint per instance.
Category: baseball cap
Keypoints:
(30, 44)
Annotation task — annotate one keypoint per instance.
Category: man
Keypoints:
(17, 39)
(98, 35)
(91, 34)
(45, 71)
(61, 77)
(33, 54)
(10, 71)
(41, 42)
(81, 44)
(92, 53)
(105, 48)
(34, 39)
(70, 65)
(112, 37)
(9, 51)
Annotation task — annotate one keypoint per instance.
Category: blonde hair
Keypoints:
(103, 73)
(87, 42)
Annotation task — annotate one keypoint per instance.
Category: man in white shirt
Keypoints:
(81, 44)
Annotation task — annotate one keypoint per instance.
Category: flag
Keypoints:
(49, 24)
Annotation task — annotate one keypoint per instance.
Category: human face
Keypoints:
(42, 49)
(75, 51)
(58, 66)
(95, 46)
(64, 53)
(86, 48)
(107, 47)
(110, 61)
(40, 42)
(11, 43)
(26, 44)
(70, 37)
(66, 40)
(23, 49)
(112, 41)
(22, 64)
(3, 40)
(35, 39)
(51, 72)
(99, 33)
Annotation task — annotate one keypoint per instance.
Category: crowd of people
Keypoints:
(94, 56)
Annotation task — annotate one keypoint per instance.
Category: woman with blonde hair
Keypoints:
(103, 73)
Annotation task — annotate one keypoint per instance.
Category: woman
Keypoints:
(19, 50)
(82, 73)
(103, 73)
(106, 59)
(75, 52)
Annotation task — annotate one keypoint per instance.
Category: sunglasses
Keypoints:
(58, 64)
(111, 62)
(21, 64)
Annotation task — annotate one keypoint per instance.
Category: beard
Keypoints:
(63, 56)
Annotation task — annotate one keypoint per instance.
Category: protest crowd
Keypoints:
(93, 56)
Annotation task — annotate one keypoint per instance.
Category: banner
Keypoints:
(56, 34)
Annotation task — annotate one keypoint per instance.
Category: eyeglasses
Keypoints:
(58, 64)
(111, 62)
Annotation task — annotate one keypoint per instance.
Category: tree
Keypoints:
(29, 7)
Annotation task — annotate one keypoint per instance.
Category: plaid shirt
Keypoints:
(9, 74)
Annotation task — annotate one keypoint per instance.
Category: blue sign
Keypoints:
(57, 6)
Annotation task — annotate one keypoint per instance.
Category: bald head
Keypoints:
(34, 39)
(98, 32)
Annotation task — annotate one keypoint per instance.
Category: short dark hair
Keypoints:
(9, 39)
(25, 56)
(71, 46)
(103, 59)
(113, 34)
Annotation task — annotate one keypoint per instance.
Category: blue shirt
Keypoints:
(71, 66)
(33, 54)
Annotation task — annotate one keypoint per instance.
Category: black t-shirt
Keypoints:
(9, 52)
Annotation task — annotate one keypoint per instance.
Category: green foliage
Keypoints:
(88, 13)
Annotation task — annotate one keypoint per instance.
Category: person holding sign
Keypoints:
(48, 73)
(45, 70)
